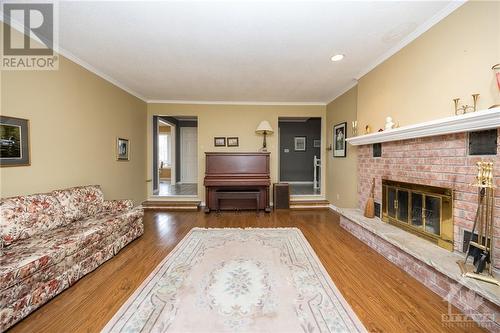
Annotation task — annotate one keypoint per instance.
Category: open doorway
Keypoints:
(300, 153)
(175, 156)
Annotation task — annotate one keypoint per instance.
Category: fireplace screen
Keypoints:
(423, 210)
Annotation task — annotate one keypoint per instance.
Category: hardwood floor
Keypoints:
(385, 298)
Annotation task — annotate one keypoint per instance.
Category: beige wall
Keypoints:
(452, 59)
(232, 120)
(75, 118)
(341, 175)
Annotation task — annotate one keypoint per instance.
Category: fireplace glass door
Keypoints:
(403, 205)
(424, 210)
(398, 204)
(391, 208)
(417, 208)
(432, 214)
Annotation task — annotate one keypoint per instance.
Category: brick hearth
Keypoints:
(439, 161)
(480, 309)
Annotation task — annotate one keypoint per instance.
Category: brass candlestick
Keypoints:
(464, 108)
(355, 128)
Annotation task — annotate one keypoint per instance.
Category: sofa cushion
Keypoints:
(80, 202)
(26, 257)
(46, 275)
(25, 216)
(119, 220)
(115, 206)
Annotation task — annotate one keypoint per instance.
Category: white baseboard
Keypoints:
(305, 197)
(335, 208)
(173, 198)
(297, 183)
(203, 204)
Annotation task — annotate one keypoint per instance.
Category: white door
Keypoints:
(189, 154)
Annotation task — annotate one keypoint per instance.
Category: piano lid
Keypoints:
(237, 164)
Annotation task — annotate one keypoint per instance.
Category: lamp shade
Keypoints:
(264, 126)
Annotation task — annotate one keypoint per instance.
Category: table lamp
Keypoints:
(264, 128)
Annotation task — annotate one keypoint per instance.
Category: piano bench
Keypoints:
(239, 195)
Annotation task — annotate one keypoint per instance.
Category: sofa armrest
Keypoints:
(116, 205)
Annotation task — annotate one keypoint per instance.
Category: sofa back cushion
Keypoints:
(24, 216)
(80, 202)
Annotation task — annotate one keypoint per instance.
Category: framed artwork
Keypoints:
(299, 143)
(339, 143)
(233, 142)
(14, 142)
(122, 149)
(219, 141)
(316, 143)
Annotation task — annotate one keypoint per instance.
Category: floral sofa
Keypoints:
(51, 240)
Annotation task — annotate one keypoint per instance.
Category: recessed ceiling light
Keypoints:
(337, 57)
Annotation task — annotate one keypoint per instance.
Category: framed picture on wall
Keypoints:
(14, 142)
(339, 143)
(219, 141)
(122, 149)
(316, 143)
(299, 143)
(233, 142)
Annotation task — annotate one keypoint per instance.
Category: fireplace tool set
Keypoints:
(480, 250)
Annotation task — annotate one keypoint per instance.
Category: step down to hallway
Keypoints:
(172, 205)
(309, 204)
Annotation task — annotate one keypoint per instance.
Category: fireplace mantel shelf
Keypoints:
(475, 121)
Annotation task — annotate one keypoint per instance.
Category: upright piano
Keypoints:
(237, 181)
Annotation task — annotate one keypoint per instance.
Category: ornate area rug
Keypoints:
(238, 280)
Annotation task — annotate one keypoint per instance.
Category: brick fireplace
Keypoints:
(441, 161)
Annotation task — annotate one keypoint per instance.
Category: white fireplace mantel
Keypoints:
(475, 121)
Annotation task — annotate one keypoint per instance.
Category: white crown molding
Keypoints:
(415, 34)
(451, 7)
(343, 91)
(175, 101)
(475, 121)
(70, 56)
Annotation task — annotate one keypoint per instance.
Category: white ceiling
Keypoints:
(239, 51)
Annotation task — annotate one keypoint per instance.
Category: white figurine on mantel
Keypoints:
(388, 123)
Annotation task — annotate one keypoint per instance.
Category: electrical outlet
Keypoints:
(338, 196)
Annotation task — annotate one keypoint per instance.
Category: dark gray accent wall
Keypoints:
(298, 165)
